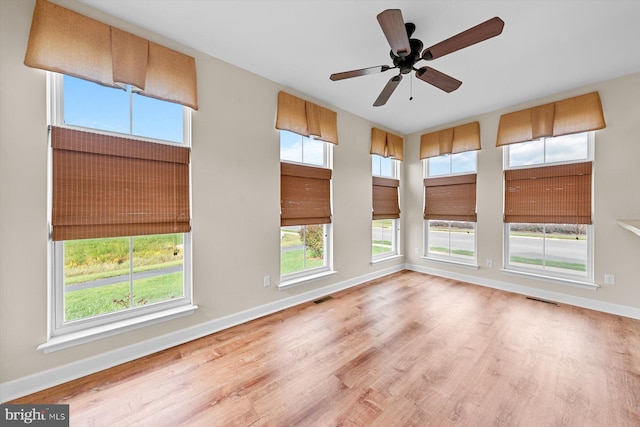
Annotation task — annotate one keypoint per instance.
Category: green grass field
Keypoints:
(111, 298)
(293, 261)
(550, 263)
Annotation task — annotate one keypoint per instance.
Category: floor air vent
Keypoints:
(323, 299)
(544, 301)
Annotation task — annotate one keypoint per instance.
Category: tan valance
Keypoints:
(385, 198)
(453, 140)
(306, 118)
(67, 42)
(107, 186)
(578, 114)
(305, 195)
(386, 144)
(451, 198)
(558, 194)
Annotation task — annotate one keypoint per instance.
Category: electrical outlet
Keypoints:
(609, 279)
(488, 263)
(267, 281)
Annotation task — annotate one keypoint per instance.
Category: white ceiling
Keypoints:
(546, 47)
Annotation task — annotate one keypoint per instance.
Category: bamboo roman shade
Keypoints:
(67, 42)
(386, 144)
(306, 118)
(578, 114)
(305, 195)
(453, 140)
(551, 194)
(385, 198)
(107, 186)
(451, 198)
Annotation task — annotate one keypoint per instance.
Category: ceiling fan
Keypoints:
(405, 52)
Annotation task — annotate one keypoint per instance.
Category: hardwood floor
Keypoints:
(406, 350)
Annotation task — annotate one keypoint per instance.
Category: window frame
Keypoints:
(558, 276)
(301, 276)
(395, 222)
(63, 334)
(426, 222)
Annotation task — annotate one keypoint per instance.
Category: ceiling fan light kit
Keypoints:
(406, 52)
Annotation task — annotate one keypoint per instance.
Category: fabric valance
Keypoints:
(453, 140)
(386, 144)
(67, 42)
(306, 118)
(578, 114)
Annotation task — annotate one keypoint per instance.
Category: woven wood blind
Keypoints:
(453, 140)
(551, 194)
(305, 195)
(107, 186)
(450, 198)
(306, 118)
(386, 144)
(578, 114)
(385, 198)
(67, 42)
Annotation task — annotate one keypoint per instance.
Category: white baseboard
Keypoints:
(32, 383)
(606, 307)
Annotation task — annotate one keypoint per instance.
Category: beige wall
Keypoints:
(616, 196)
(236, 199)
(235, 173)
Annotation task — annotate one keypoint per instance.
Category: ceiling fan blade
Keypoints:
(438, 79)
(360, 72)
(388, 90)
(394, 30)
(477, 34)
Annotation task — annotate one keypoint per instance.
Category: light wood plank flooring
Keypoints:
(406, 350)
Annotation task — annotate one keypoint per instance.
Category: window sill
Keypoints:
(386, 258)
(558, 280)
(73, 339)
(454, 262)
(302, 280)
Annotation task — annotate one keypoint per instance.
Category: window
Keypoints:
(305, 248)
(116, 280)
(385, 233)
(553, 235)
(450, 197)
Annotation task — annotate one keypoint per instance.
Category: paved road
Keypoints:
(565, 250)
(124, 278)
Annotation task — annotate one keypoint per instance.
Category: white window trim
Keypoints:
(396, 243)
(581, 281)
(472, 263)
(304, 276)
(450, 259)
(61, 335)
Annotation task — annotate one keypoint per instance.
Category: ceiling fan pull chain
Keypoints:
(410, 88)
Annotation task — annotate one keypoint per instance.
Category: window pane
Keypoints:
(94, 106)
(292, 257)
(463, 162)
(438, 237)
(386, 167)
(526, 245)
(462, 240)
(566, 248)
(376, 168)
(440, 165)
(313, 152)
(157, 268)
(566, 148)
(526, 153)
(153, 118)
(314, 246)
(290, 146)
(96, 277)
(382, 232)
